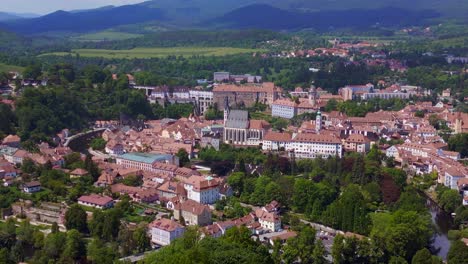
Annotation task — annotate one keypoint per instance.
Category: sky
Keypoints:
(48, 6)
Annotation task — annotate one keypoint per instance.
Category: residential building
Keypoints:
(203, 99)
(268, 220)
(357, 143)
(193, 213)
(204, 190)
(164, 231)
(276, 141)
(285, 108)
(386, 95)
(114, 148)
(32, 187)
(314, 145)
(97, 201)
(12, 141)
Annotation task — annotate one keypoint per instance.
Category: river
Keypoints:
(442, 222)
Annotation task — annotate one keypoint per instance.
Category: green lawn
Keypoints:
(142, 53)
(8, 68)
(106, 35)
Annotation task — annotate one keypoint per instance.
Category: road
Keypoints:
(98, 154)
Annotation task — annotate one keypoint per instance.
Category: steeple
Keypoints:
(318, 122)
(226, 109)
(313, 95)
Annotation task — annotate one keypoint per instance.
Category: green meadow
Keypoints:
(142, 53)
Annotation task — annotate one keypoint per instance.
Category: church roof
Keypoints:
(238, 119)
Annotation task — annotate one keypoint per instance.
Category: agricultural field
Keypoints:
(106, 36)
(9, 68)
(142, 53)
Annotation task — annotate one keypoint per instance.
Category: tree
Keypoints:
(318, 254)
(183, 156)
(337, 249)
(397, 260)
(54, 245)
(423, 256)
(450, 200)
(75, 247)
(75, 218)
(140, 236)
(458, 253)
(98, 144)
(32, 71)
(100, 253)
(126, 241)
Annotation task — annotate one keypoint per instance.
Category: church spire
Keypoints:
(226, 109)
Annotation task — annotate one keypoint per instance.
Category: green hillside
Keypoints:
(144, 53)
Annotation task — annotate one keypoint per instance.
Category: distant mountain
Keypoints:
(4, 16)
(156, 15)
(7, 16)
(206, 9)
(263, 16)
(94, 9)
(84, 21)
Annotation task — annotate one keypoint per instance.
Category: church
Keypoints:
(240, 130)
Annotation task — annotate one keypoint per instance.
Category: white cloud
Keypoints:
(47, 6)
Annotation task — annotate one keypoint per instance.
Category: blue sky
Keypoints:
(47, 6)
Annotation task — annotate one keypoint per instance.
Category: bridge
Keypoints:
(85, 135)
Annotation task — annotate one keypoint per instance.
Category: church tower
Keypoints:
(313, 96)
(318, 122)
(226, 109)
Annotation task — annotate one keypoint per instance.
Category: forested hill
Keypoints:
(266, 17)
(270, 14)
(85, 20)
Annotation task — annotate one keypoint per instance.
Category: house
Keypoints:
(193, 213)
(452, 175)
(357, 143)
(204, 190)
(12, 141)
(32, 187)
(164, 231)
(97, 201)
(78, 173)
(268, 220)
(275, 140)
(282, 238)
(392, 152)
(7, 170)
(114, 148)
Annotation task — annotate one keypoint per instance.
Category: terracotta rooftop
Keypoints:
(95, 199)
(306, 137)
(165, 224)
(277, 136)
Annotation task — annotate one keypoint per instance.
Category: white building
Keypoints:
(96, 201)
(202, 190)
(284, 108)
(268, 220)
(164, 231)
(314, 145)
(275, 141)
(32, 187)
(204, 99)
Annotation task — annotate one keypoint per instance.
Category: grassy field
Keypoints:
(8, 68)
(142, 53)
(106, 35)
